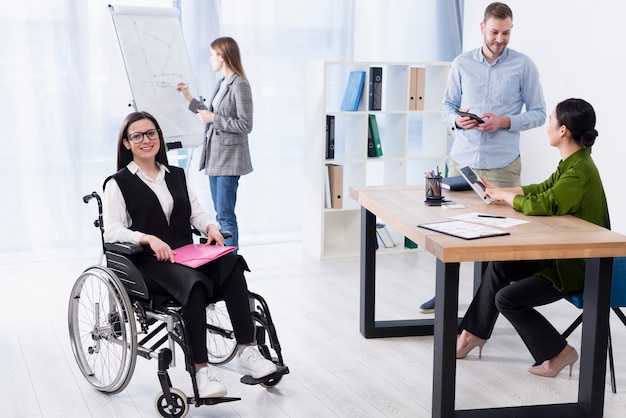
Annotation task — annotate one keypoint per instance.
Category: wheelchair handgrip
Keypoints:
(90, 196)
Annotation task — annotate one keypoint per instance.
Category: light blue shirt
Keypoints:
(503, 88)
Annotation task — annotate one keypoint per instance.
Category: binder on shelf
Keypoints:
(335, 178)
(376, 88)
(330, 137)
(327, 199)
(417, 86)
(385, 239)
(374, 147)
(354, 90)
(371, 152)
(408, 243)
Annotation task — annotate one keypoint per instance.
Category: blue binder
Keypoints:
(354, 90)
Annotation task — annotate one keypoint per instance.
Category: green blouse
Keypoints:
(574, 188)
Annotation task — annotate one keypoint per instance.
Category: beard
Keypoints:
(495, 48)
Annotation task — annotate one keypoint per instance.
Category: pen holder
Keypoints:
(433, 188)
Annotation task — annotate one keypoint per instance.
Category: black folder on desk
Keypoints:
(465, 230)
(455, 183)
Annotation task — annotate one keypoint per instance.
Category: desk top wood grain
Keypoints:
(543, 237)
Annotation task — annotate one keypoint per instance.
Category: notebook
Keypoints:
(455, 183)
(473, 179)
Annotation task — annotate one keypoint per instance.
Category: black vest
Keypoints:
(145, 210)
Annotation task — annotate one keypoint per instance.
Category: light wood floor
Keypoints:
(335, 372)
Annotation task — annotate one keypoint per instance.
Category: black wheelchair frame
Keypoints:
(109, 302)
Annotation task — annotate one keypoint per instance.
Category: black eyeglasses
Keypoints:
(137, 137)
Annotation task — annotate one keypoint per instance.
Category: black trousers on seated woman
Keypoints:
(513, 289)
(194, 288)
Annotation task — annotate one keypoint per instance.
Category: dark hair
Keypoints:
(124, 155)
(228, 49)
(497, 10)
(579, 118)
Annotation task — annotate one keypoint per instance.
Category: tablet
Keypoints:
(471, 115)
(473, 179)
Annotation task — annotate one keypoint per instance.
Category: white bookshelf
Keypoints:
(413, 141)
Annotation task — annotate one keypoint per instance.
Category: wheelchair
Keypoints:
(113, 319)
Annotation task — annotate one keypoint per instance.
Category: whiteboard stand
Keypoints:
(178, 160)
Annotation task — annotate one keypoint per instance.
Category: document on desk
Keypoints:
(491, 220)
(465, 230)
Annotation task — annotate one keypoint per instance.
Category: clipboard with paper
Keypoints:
(464, 230)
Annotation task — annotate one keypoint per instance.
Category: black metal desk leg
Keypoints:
(591, 386)
(368, 272)
(446, 326)
(479, 269)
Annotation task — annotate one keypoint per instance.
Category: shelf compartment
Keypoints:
(342, 233)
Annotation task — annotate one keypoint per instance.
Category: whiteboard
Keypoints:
(156, 60)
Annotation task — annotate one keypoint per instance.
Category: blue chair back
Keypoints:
(618, 287)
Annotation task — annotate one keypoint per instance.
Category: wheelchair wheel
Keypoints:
(102, 330)
(180, 409)
(220, 339)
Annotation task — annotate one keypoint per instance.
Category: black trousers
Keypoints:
(513, 288)
(227, 280)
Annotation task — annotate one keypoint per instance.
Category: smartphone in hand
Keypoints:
(471, 115)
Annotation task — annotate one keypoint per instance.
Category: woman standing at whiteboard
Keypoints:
(225, 153)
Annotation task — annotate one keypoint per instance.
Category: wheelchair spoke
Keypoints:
(104, 343)
(221, 343)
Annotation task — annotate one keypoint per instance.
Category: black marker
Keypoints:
(491, 216)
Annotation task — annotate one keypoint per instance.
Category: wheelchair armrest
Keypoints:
(203, 238)
(126, 248)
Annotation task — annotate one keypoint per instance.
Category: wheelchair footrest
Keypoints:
(212, 401)
(280, 371)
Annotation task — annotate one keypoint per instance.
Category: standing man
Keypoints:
(496, 83)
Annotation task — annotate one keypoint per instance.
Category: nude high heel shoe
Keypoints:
(475, 342)
(568, 360)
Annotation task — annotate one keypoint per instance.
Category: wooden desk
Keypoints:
(546, 237)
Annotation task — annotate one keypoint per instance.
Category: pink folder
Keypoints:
(195, 255)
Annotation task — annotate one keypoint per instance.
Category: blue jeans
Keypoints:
(224, 195)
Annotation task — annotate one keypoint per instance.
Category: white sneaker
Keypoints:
(251, 362)
(208, 385)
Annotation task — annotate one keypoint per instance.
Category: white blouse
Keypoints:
(117, 219)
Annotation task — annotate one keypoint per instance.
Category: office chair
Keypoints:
(618, 300)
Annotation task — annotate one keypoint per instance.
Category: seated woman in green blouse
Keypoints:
(515, 288)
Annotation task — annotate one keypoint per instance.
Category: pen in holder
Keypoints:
(433, 188)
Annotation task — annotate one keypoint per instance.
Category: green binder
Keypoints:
(374, 147)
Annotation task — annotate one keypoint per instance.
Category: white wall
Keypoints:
(404, 30)
(577, 45)
(391, 31)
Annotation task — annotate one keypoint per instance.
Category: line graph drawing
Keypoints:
(159, 51)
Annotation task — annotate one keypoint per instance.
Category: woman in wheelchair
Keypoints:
(148, 202)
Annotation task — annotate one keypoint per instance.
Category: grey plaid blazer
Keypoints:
(225, 151)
